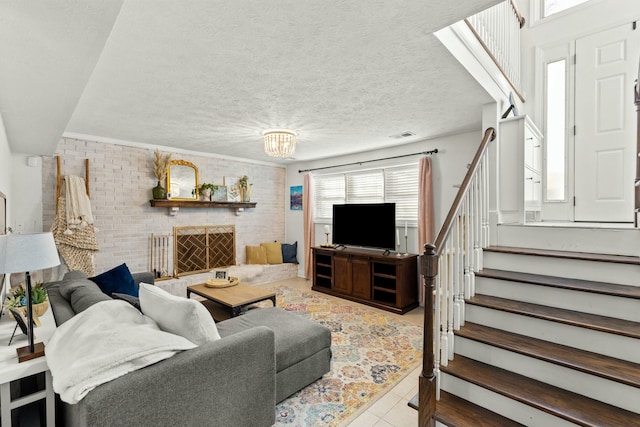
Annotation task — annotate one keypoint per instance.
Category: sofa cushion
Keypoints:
(297, 337)
(274, 252)
(177, 315)
(256, 255)
(118, 279)
(290, 252)
(82, 294)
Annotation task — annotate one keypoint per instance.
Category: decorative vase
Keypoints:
(206, 194)
(246, 193)
(159, 192)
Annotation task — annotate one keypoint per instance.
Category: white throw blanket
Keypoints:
(104, 342)
(78, 204)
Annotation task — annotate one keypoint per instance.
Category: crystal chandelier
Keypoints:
(280, 142)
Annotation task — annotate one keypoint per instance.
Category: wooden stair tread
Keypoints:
(585, 256)
(606, 367)
(553, 400)
(604, 288)
(575, 318)
(456, 412)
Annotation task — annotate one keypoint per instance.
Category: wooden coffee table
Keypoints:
(232, 301)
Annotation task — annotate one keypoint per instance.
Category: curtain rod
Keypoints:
(368, 161)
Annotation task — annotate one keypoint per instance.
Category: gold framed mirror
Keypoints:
(182, 180)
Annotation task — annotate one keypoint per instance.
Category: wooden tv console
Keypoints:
(389, 282)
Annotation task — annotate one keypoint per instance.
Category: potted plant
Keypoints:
(245, 188)
(160, 165)
(17, 299)
(206, 189)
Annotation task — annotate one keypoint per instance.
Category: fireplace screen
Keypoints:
(198, 249)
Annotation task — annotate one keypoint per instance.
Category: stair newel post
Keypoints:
(427, 384)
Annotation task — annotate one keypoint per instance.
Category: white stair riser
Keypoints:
(586, 339)
(623, 274)
(611, 392)
(576, 239)
(586, 302)
(500, 404)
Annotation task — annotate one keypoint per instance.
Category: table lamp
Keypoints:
(23, 253)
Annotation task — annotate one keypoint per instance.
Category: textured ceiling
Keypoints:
(210, 76)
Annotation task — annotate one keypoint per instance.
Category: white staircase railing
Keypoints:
(498, 31)
(448, 267)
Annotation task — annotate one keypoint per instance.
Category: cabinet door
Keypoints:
(342, 274)
(361, 278)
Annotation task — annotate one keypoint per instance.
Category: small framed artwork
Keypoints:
(220, 274)
(233, 188)
(296, 198)
(20, 320)
(219, 194)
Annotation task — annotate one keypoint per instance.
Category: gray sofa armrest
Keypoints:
(229, 382)
(145, 277)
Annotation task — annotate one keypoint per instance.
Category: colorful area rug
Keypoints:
(372, 352)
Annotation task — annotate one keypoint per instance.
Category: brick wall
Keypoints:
(121, 179)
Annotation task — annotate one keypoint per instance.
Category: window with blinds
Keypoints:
(397, 185)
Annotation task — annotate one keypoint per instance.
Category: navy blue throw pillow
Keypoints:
(290, 252)
(118, 280)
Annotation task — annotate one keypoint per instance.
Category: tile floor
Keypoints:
(390, 410)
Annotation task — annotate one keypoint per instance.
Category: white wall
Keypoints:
(26, 204)
(5, 169)
(121, 180)
(449, 168)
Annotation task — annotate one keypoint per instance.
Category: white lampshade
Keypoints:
(20, 253)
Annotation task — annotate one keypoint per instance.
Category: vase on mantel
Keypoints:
(159, 192)
(245, 193)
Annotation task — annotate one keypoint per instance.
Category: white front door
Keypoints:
(605, 118)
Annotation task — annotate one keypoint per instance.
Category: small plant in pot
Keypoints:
(17, 299)
(206, 189)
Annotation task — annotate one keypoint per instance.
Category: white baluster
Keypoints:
(450, 297)
(467, 248)
(437, 336)
(459, 272)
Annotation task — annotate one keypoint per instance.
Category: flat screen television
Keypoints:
(370, 225)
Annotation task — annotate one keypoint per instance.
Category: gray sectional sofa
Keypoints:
(263, 357)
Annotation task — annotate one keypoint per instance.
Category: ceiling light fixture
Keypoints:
(280, 142)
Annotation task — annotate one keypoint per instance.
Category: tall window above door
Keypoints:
(551, 7)
(541, 9)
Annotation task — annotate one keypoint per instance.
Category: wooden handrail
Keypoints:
(429, 270)
(494, 59)
(521, 19)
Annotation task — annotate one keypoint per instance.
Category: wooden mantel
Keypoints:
(175, 205)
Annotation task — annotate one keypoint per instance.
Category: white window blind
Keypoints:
(401, 188)
(365, 187)
(328, 190)
(397, 185)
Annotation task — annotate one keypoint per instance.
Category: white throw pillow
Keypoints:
(181, 316)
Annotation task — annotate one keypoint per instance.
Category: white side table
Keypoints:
(11, 370)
